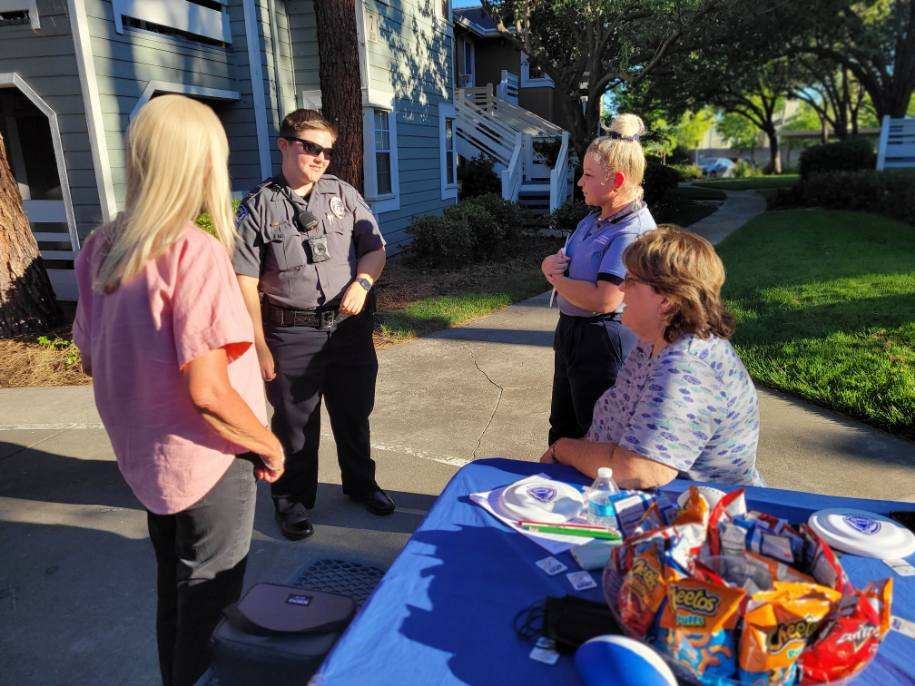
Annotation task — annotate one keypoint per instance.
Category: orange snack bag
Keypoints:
(642, 591)
(695, 510)
(697, 627)
(776, 628)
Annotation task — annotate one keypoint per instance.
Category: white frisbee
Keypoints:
(542, 500)
(863, 533)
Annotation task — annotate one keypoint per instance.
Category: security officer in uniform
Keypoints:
(309, 251)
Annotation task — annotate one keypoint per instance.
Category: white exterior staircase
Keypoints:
(497, 128)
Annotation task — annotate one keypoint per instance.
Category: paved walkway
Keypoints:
(77, 572)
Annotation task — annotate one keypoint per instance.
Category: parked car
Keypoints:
(716, 166)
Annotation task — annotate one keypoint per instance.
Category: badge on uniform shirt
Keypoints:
(337, 207)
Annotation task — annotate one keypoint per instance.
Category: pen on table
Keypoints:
(567, 525)
(604, 534)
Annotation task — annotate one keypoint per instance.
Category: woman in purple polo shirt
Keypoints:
(591, 342)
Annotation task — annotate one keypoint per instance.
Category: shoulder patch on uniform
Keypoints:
(242, 211)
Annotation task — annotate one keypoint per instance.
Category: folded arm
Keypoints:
(630, 470)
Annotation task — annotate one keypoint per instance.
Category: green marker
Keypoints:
(603, 534)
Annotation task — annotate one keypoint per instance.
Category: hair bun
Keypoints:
(627, 126)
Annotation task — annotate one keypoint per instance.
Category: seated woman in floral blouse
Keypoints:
(683, 403)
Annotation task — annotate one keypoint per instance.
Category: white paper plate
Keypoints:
(863, 533)
(542, 500)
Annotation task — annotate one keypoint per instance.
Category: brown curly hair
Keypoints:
(684, 267)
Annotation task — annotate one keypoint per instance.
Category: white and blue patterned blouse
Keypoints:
(693, 408)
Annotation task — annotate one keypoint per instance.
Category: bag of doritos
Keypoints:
(851, 637)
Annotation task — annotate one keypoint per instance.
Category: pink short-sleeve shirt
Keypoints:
(182, 304)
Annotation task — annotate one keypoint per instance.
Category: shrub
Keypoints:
(436, 243)
(510, 216)
(472, 217)
(659, 178)
(477, 177)
(744, 169)
(681, 156)
(688, 172)
(850, 154)
(567, 216)
(891, 192)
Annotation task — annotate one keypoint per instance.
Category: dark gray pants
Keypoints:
(201, 555)
(588, 353)
(339, 365)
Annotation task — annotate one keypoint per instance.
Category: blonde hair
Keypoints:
(685, 268)
(177, 157)
(621, 151)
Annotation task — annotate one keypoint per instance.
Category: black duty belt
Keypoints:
(608, 316)
(314, 319)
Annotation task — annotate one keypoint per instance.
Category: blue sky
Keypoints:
(457, 4)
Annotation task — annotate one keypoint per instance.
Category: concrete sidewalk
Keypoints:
(76, 583)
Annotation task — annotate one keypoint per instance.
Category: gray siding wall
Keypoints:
(304, 41)
(46, 60)
(411, 52)
(126, 62)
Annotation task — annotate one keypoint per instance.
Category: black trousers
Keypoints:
(588, 353)
(339, 365)
(201, 554)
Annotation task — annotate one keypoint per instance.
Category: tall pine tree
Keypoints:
(341, 86)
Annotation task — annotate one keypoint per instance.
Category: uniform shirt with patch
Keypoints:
(693, 408)
(595, 249)
(271, 247)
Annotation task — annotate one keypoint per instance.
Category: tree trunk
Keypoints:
(27, 303)
(341, 85)
(775, 160)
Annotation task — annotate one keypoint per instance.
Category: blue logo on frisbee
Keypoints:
(865, 525)
(544, 494)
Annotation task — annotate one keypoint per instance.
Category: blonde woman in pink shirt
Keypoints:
(166, 337)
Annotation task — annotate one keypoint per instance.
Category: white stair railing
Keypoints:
(559, 176)
(897, 143)
(478, 132)
(513, 174)
(508, 87)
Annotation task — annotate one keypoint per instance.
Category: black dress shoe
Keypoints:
(292, 518)
(377, 502)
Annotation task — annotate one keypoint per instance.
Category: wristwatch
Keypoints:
(365, 283)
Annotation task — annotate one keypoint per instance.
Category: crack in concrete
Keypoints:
(495, 407)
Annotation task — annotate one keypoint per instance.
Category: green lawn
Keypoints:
(826, 308)
(415, 301)
(750, 184)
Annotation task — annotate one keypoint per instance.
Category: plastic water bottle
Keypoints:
(601, 510)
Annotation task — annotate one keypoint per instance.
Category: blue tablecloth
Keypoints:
(443, 613)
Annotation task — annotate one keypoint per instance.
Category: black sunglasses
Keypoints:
(312, 148)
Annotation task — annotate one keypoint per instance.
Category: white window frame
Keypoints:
(527, 81)
(30, 6)
(447, 111)
(446, 19)
(473, 73)
(388, 202)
